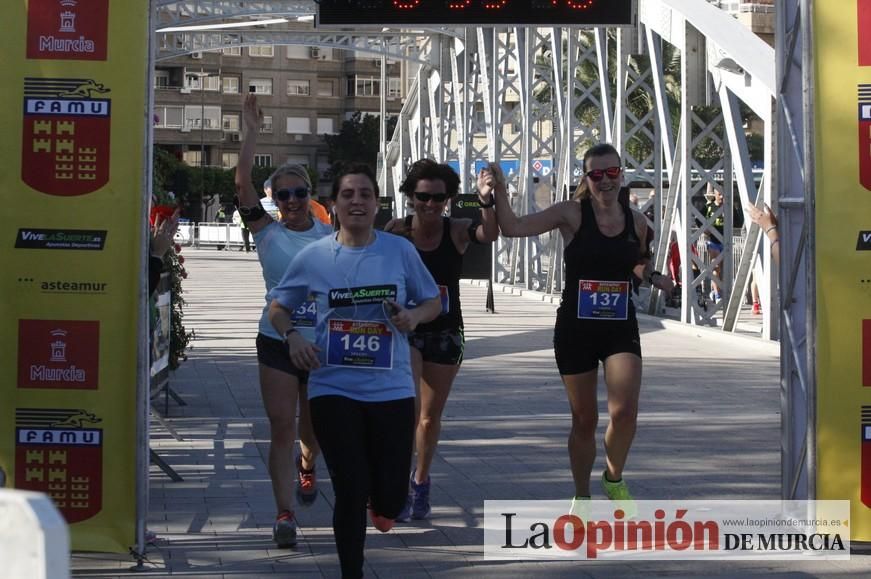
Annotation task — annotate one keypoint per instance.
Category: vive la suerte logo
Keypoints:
(863, 243)
(65, 137)
(29, 238)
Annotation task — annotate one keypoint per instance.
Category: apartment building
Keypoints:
(757, 15)
(305, 92)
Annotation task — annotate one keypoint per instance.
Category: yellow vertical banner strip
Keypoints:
(73, 147)
(843, 260)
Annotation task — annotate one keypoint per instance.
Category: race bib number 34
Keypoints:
(603, 300)
(359, 344)
(305, 316)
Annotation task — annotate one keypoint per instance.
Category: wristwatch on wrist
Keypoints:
(287, 334)
(490, 204)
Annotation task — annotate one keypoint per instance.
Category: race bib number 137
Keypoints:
(603, 300)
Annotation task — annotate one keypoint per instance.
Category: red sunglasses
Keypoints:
(597, 175)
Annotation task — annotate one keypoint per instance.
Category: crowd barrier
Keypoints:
(205, 234)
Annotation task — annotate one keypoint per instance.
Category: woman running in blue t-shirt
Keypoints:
(360, 390)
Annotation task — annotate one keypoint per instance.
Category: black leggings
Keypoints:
(367, 447)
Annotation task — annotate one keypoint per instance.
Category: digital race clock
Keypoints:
(476, 12)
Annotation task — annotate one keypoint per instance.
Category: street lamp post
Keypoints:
(202, 77)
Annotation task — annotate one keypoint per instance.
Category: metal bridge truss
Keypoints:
(675, 86)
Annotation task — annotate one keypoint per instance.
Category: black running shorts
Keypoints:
(579, 344)
(439, 347)
(273, 354)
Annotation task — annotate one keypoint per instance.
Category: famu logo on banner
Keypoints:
(65, 137)
(60, 453)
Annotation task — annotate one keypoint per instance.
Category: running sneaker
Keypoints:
(757, 309)
(383, 524)
(306, 485)
(618, 492)
(581, 508)
(420, 508)
(284, 530)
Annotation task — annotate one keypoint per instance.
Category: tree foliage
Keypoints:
(358, 140)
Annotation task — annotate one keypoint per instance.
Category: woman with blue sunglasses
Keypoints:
(282, 383)
(605, 244)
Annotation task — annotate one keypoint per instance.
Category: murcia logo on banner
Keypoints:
(59, 452)
(61, 354)
(65, 146)
(864, 20)
(865, 135)
(60, 239)
(67, 29)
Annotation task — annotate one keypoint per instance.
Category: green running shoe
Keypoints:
(581, 508)
(619, 493)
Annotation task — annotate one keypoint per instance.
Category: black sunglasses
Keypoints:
(424, 197)
(598, 174)
(284, 194)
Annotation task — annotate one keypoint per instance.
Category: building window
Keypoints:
(230, 84)
(192, 158)
(265, 50)
(298, 160)
(394, 87)
(161, 79)
(262, 160)
(266, 125)
(298, 87)
(169, 117)
(230, 123)
(193, 81)
(229, 160)
(261, 85)
(325, 88)
(326, 126)
(232, 51)
(206, 117)
(298, 126)
(366, 86)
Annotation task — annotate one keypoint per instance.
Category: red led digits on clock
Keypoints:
(491, 4)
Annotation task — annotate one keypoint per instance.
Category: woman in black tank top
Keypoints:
(596, 318)
(437, 346)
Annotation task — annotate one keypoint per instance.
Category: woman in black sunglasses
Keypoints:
(282, 384)
(605, 242)
(437, 346)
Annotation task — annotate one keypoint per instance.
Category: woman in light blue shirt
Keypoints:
(361, 390)
(281, 383)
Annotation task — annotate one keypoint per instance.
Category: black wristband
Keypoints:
(287, 334)
(650, 277)
(492, 202)
(249, 214)
(473, 232)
